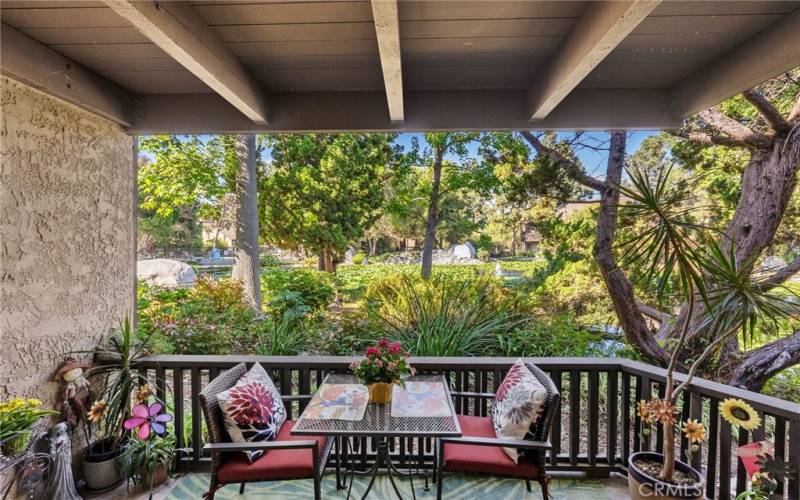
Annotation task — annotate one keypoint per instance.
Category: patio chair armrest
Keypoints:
(522, 444)
(482, 395)
(261, 445)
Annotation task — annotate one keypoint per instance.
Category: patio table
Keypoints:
(379, 424)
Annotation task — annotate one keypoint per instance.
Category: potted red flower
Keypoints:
(384, 365)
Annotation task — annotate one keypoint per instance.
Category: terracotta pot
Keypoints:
(380, 392)
(642, 486)
(159, 477)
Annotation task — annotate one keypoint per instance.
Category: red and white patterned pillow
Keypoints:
(517, 405)
(253, 409)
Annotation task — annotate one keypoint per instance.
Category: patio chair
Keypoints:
(287, 457)
(479, 451)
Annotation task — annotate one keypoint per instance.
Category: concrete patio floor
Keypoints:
(457, 487)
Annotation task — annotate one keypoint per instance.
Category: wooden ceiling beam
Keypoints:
(180, 32)
(387, 29)
(28, 61)
(766, 55)
(363, 111)
(601, 27)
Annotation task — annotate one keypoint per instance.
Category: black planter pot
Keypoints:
(100, 470)
(642, 486)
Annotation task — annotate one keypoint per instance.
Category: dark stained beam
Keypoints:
(180, 32)
(387, 29)
(601, 27)
(28, 61)
(586, 109)
(764, 56)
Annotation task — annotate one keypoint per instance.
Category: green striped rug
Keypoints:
(456, 487)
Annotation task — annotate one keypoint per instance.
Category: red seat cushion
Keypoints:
(483, 459)
(273, 464)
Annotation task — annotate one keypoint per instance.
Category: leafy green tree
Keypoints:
(323, 191)
(457, 175)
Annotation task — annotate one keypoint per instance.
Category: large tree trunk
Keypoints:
(326, 261)
(619, 286)
(246, 264)
(433, 218)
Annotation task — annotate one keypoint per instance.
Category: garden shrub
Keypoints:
(268, 260)
(359, 258)
(210, 318)
(445, 316)
(553, 336)
(484, 254)
(285, 336)
(293, 289)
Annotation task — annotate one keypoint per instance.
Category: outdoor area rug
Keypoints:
(456, 487)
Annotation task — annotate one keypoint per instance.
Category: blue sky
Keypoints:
(593, 160)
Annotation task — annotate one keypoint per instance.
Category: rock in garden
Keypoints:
(165, 272)
(465, 251)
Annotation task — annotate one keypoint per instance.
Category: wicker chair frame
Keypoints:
(534, 446)
(220, 443)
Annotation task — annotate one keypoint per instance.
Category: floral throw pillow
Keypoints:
(517, 405)
(253, 409)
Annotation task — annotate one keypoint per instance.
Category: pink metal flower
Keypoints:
(145, 418)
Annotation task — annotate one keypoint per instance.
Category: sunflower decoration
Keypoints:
(694, 431)
(663, 411)
(643, 410)
(142, 394)
(737, 412)
(98, 411)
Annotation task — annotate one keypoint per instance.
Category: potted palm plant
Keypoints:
(722, 298)
(113, 372)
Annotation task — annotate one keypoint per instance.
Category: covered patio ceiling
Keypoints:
(258, 66)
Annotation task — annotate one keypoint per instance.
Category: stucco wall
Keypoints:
(67, 261)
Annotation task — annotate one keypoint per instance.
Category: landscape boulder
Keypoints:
(465, 251)
(165, 272)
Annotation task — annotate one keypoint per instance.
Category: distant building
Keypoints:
(529, 237)
(227, 233)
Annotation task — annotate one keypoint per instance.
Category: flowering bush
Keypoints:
(17, 417)
(384, 362)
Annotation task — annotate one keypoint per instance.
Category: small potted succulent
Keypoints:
(384, 365)
(148, 456)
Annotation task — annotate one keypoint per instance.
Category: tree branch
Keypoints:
(767, 110)
(619, 287)
(794, 114)
(759, 365)
(782, 274)
(575, 170)
(710, 139)
(653, 313)
(733, 129)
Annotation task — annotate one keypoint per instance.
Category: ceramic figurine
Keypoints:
(60, 484)
(77, 393)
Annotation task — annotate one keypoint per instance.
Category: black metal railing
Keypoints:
(597, 431)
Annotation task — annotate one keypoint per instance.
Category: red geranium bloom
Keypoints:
(396, 348)
(373, 351)
(383, 343)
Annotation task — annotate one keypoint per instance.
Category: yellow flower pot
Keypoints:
(380, 392)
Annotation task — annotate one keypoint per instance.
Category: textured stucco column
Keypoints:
(67, 235)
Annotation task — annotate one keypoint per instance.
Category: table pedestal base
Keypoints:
(382, 460)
